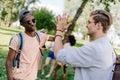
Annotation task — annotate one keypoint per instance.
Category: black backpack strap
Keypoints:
(38, 38)
(20, 39)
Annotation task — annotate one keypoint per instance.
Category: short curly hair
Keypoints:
(72, 40)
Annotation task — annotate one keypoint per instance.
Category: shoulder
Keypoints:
(14, 41)
(14, 38)
(42, 35)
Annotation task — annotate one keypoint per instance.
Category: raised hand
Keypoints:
(61, 23)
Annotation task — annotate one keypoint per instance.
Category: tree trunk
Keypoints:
(78, 13)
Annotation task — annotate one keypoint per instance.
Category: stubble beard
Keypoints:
(30, 30)
(90, 35)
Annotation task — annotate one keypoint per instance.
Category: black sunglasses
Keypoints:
(29, 22)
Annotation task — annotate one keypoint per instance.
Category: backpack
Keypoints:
(116, 71)
(16, 59)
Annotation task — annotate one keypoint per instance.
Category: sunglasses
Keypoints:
(29, 22)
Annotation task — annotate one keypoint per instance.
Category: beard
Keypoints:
(30, 29)
(90, 36)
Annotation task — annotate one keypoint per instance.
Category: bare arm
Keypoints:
(11, 54)
(51, 38)
(61, 25)
(58, 43)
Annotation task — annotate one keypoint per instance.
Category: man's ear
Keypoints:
(99, 24)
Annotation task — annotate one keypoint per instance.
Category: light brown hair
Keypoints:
(104, 17)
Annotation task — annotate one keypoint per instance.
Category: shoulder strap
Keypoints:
(20, 41)
(117, 57)
(20, 45)
(38, 38)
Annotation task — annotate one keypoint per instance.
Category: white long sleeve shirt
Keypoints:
(93, 61)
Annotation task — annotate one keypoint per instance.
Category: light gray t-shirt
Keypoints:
(93, 61)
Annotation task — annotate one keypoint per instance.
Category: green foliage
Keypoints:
(9, 10)
(91, 5)
(70, 74)
(45, 19)
(3, 13)
(2, 69)
(79, 44)
(107, 3)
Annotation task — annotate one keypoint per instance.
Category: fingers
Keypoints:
(62, 22)
(65, 17)
(62, 17)
(58, 18)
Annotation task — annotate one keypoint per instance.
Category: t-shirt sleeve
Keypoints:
(13, 44)
(77, 57)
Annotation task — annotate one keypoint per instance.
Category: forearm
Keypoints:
(61, 25)
(51, 38)
(9, 70)
(58, 42)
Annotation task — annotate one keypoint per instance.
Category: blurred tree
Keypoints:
(9, 10)
(78, 7)
(45, 19)
(77, 14)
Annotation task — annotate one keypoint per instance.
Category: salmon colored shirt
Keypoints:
(30, 58)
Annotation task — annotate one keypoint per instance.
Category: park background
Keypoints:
(45, 12)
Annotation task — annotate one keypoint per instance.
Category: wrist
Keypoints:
(58, 36)
(58, 33)
(59, 30)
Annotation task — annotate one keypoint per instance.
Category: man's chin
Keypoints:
(32, 30)
(88, 34)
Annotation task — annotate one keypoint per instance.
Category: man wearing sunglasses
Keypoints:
(30, 57)
(95, 60)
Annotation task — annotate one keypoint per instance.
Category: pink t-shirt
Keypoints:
(30, 58)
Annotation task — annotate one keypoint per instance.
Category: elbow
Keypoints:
(56, 51)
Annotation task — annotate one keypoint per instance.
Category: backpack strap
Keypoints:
(20, 45)
(38, 38)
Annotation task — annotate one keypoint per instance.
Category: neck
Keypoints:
(97, 36)
(31, 34)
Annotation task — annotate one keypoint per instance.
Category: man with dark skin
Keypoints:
(30, 57)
